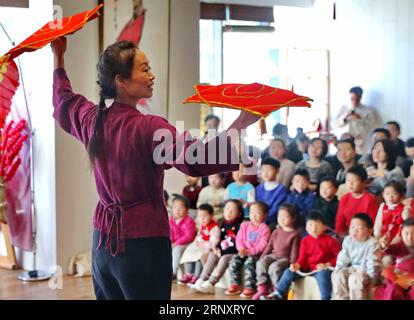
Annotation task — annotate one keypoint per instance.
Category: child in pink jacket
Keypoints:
(251, 240)
(183, 231)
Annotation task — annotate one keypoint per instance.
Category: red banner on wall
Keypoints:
(18, 193)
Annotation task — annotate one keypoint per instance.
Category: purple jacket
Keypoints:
(129, 182)
(184, 232)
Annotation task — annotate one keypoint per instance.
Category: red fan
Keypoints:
(54, 30)
(9, 82)
(256, 98)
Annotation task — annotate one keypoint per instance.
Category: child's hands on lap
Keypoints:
(322, 266)
(384, 242)
(243, 252)
(294, 267)
(217, 252)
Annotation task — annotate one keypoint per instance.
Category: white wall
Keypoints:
(171, 42)
(377, 42)
(76, 195)
(370, 44)
(267, 3)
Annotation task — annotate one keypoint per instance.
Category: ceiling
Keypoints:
(267, 3)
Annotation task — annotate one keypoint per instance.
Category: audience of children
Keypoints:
(358, 263)
(251, 240)
(219, 258)
(214, 195)
(183, 231)
(269, 191)
(300, 195)
(196, 253)
(327, 202)
(241, 190)
(317, 254)
(281, 251)
(369, 232)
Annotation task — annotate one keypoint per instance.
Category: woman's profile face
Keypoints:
(140, 84)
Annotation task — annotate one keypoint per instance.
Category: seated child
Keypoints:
(192, 190)
(251, 240)
(396, 287)
(207, 239)
(269, 191)
(241, 190)
(356, 200)
(214, 195)
(327, 201)
(183, 231)
(218, 260)
(281, 251)
(391, 213)
(300, 195)
(317, 253)
(358, 264)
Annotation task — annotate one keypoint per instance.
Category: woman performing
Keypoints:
(131, 257)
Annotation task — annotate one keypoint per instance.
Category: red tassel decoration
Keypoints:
(13, 169)
(11, 142)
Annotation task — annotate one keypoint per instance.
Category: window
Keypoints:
(247, 51)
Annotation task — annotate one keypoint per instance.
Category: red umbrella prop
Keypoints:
(9, 82)
(54, 30)
(256, 98)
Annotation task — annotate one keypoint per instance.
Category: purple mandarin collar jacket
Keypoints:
(128, 179)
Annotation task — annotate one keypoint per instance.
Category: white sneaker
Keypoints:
(206, 287)
(196, 286)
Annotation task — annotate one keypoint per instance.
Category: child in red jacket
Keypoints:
(356, 200)
(400, 276)
(317, 254)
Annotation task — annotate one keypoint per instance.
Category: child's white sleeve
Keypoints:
(374, 260)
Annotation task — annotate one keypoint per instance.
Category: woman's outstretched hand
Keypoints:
(59, 47)
(244, 120)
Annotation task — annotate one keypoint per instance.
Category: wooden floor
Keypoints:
(79, 289)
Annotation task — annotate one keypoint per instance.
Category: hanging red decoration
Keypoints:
(9, 82)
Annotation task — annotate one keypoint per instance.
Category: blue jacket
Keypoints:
(273, 198)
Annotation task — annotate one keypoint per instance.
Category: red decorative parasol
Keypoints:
(54, 30)
(256, 98)
(9, 82)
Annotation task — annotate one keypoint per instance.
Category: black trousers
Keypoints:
(142, 272)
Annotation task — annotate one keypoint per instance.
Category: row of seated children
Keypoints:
(390, 214)
(272, 261)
